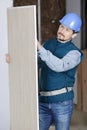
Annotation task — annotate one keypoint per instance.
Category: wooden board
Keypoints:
(79, 88)
(84, 82)
(23, 68)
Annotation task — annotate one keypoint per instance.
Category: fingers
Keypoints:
(8, 58)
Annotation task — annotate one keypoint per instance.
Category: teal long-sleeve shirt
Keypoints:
(69, 61)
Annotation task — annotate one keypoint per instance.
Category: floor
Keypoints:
(79, 121)
(73, 128)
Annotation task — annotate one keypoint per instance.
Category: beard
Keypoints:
(61, 37)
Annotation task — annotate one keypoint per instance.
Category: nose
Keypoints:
(63, 30)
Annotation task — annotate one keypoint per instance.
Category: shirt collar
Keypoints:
(63, 41)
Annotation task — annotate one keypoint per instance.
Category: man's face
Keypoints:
(64, 33)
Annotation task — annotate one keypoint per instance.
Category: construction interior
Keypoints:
(43, 21)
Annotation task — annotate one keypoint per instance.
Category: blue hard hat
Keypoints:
(72, 21)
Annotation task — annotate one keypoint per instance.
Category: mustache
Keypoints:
(61, 34)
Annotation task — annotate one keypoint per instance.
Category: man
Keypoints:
(59, 59)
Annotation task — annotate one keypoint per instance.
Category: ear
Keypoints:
(74, 35)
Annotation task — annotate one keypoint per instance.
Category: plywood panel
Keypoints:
(23, 68)
(79, 88)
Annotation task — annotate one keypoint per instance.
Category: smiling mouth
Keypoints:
(61, 37)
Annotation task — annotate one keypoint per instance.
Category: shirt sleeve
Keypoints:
(69, 61)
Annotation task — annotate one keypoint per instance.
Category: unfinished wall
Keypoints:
(51, 12)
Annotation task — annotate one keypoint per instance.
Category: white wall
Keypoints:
(4, 81)
(74, 6)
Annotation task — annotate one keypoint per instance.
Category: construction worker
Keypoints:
(59, 59)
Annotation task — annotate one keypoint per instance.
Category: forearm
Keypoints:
(57, 64)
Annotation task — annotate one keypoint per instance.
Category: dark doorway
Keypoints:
(84, 25)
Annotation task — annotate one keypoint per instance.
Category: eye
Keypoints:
(67, 29)
(61, 26)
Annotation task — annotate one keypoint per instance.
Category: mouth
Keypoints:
(61, 37)
(60, 34)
